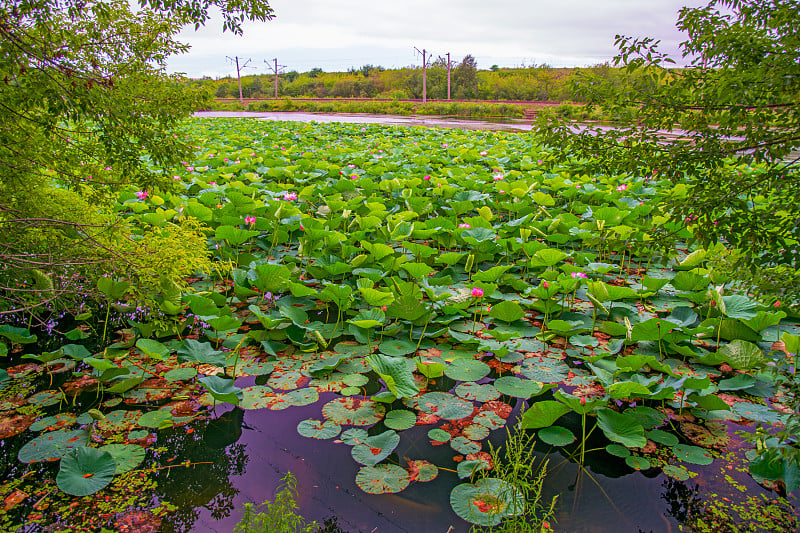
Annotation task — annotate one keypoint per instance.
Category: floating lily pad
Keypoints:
(126, 456)
(757, 412)
(355, 380)
(422, 471)
(618, 450)
(438, 435)
(466, 469)
(353, 411)
(119, 421)
(445, 405)
(487, 501)
(662, 437)
(376, 448)
(517, 387)
(84, 471)
(397, 347)
(475, 432)
(677, 472)
(46, 398)
(354, 436)
(637, 463)
(287, 380)
(489, 419)
(59, 421)
(256, 397)
(52, 446)
(556, 436)
(648, 417)
(181, 374)
(301, 397)
(477, 393)
(692, 454)
(467, 370)
(382, 479)
(400, 419)
(350, 391)
(255, 368)
(352, 348)
(316, 429)
(465, 446)
(155, 419)
(544, 369)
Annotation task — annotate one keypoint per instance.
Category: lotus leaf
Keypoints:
(489, 419)
(376, 448)
(517, 387)
(382, 479)
(464, 446)
(692, 454)
(422, 471)
(445, 405)
(318, 429)
(353, 411)
(622, 428)
(487, 501)
(126, 456)
(354, 436)
(84, 471)
(556, 436)
(543, 414)
(637, 463)
(544, 369)
(52, 446)
(395, 373)
(477, 393)
(400, 419)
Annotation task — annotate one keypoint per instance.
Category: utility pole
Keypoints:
(448, 75)
(239, 74)
(424, 73)
(275, 69)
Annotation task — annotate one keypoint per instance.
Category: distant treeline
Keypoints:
(534, 83)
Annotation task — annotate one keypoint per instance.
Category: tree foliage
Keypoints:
(86, 109)
(726, 126)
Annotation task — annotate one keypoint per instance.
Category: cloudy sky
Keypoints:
(337, 35)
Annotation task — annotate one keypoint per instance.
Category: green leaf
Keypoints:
(507, 311)
(222, 389)
(152, 349)
(376, 297)
(395, 373)
(543, 414)
(621, 428)
(742, 355)
(17, 335)
(84, 471)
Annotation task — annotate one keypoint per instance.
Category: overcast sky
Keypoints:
(337, 35)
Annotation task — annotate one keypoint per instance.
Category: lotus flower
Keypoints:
(477, 292)
(141, 195)
(290, 196)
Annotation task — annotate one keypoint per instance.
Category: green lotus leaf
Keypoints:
(395, 373)
(222, 389)
(556, 436)
(477, 393)
(353, 411)
(662, 437)
(621, 428)
(354, 436)
(152, 349)
(180, 374)
(200, 352)
(17, 335)
(489, 419)
(637, 463)
(155, 419)
(84, 471)
(422, 471)
(543, 414)
(486, 502)
(692, 454)
(439, 435)
(544, 369)
(464, 445)
(517, 387)
(376, 448)
(430, 369)
(507, 311)
(382, 479)
(677, 472)
(445, 405)
(400, 419)
(618, 450)
(52, 446)
(271, 278)
(467, 370)
(466, 469)
(126, 456)
(742, 355)
(397, 347)
(318, 429)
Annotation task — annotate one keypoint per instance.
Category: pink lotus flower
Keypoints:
(249, 220)
(426, 178)
(539, 162)
(484, 152)
(497, 178)
(477, 292)
(190, 169)
(464, 225)
(290, 196)
(545, 285)
(578, 275)
(141, 195)
(354, 177)
(622, 187)
(777, 303)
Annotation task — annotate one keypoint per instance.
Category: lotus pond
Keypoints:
(387, 302)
